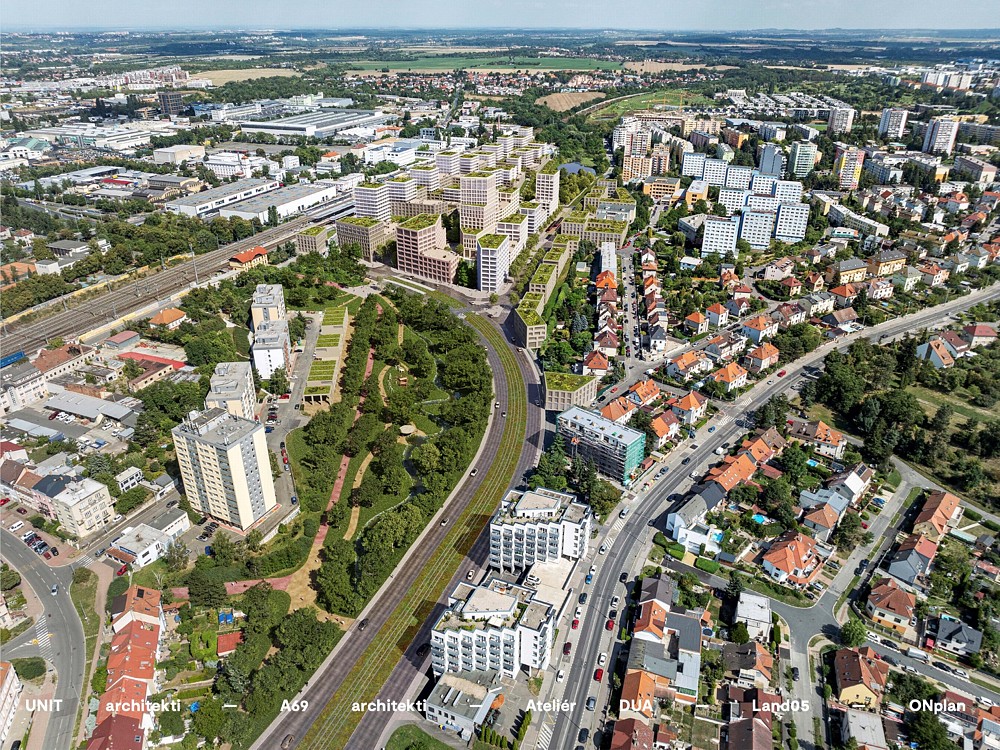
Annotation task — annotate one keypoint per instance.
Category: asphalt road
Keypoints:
(593, 638)
(92, 313)
(329, 677)
(64, 649)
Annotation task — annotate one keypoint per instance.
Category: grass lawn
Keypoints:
(334, 726)
(410, 736)
(672, 97)
(385, 502)
(149, 575)
(241, 338)
(931, 400)
(819, 411)
(84, 596)
(705, 735)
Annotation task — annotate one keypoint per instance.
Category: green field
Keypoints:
(410, 736)
(454, 62)
(322, 370)
(328, 339)
(334, 316)
(335, 725)
(671, 97)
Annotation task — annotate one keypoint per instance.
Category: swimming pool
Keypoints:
(812, 462)
(717, 537)
(759, 518)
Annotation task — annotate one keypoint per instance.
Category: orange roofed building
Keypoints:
(256, 256)
(792, 559)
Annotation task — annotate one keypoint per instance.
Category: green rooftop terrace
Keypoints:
(553, 256)
(565, 239)
(529, 204)
(543, 273)
(359, 221)
(518, 218)
(491, 240)
(578, 217)
(561, 381)
(313, 231)
(370, 185)
(420, 221)
(606, 225)
(530, 317)
(550, 167)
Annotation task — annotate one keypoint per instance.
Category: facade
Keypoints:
(616, 450)
(271, 347)
(720, 235)
(890, 605)
(225, 467)
(847, 166)
(81, 505)
(367, 232)
(493, 626)
(939, 138)
(10, 698)
(563, 391)
(493, 258)
(840, 120)
(420, 249)
(802, 159)
(312, 240)
(214, 199)
(232, 388)
(268, 304)
(373, 200)
(538, 526)
(892, 123)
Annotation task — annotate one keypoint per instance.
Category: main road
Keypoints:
(628, 545)
(92, 313)
(335, 669)
(59, 634)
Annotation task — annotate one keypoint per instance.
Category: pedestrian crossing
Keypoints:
(745, 401)
(545, 734)
(618, 525)
(42, 639)
(725, 419)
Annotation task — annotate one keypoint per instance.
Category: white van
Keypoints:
(16, 526)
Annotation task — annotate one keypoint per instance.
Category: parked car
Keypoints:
(567, 647)
(363, 624)
(575, 624)
(609, 625)
(122, 570)
(54, 551)
(16, 526)
(560, 675)
(598, 675)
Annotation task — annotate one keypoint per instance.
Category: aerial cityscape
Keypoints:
(502, 376)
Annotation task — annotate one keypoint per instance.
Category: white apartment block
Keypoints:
(547, 189)
(268, 304)
(847, 166)
(496, 625)
(232, 388)
(271, 347)
(841, 120)
(493, 260)
(10, 698)
(974, 169)
(225, 467)
(940, 136)
(738, 177)
(892, 123)
(756, 202)
(715, 171)
(693, 164)
(720, 235)
(756, 228)
(763, 184)
(538, 526)
(733, 199)
(426, 176)
(788, 191)
(792, 222)
(129, 478)
(373, 200)
(802, 160)
(403, 189)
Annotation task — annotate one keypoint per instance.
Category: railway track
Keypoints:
(81, 316)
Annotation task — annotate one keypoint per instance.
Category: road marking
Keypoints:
(726, 419)
(42, 639)
(545, 734)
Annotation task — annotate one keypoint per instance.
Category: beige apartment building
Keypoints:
(268, 304)
(232, 388)
(421, 249)
(225, 467)
(371, 234)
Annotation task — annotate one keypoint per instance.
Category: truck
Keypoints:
(919, 655)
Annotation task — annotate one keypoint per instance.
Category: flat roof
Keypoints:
(287, 194)
(87, 406)
(223, 191)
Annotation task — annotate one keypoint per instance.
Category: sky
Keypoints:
(678, 15)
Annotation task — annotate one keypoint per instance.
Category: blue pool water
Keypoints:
(717, 537)
(812, 462)
(759, 518)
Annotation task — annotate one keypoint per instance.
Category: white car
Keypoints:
(602, 659)
(579, 613)
(593, 570)
(560, 675)
(603, 549)
(872, 637)
(117, 518)
(614, 602)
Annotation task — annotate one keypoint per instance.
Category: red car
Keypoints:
(864, 525)
(609, 625)
(4, 501)
(782, 373)
(576, 624)
(122, 570)
(566, 648)
(598, 675)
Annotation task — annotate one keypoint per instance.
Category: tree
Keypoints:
(226, 550)
(853, 633)
(9, 578)
(278, 383)
(254, 540)
(739, 633)
(205, 591)
(177, 556)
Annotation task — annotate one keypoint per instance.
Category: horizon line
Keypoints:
(39, 29)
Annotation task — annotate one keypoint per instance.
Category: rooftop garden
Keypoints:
(372, 185)
(529, 204)
(423, 167)
(402, 178)
(624, 196)
(492, 240)
(577, 217)
(561, 381)
(479, 173)
(550, 167)
(517, 218)
(553, 256)
(606, 225)
(448, 153)
(313, 231)
(543, 273)
(359, 221)
(420, 221)
(565, 239)
(529, 316)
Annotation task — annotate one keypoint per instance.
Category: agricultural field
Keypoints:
(221, 77)
(564, 101)
(437, 63)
